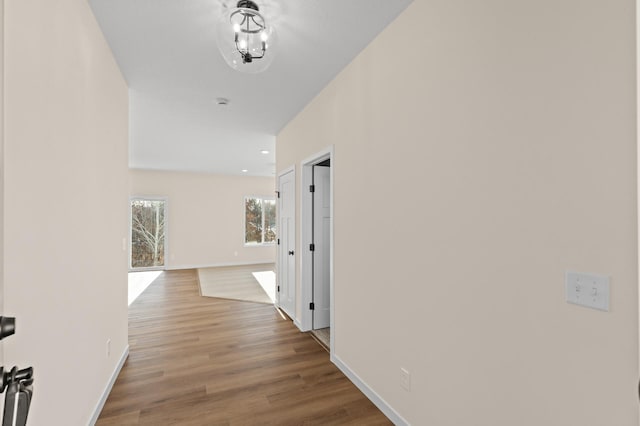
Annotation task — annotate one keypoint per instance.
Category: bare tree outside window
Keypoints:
(269, 221)
(259, 220)
(147, 233)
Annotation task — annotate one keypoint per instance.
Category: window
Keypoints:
(259, 220)
(148, 233)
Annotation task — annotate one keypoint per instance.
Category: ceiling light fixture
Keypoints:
(245, 40)
(264, 151)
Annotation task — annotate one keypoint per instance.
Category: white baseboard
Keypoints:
(107, 389)
(369, 393)
(218, 265)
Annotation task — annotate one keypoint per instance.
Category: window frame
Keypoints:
(262, 198)
(166, 233)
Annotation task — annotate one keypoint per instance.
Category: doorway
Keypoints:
(321, 243)
(317, 246)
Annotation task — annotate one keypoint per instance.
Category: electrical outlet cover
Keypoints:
(589, 290)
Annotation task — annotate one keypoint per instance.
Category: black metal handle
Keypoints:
(15, 376)
(7, 327)
(291, 253)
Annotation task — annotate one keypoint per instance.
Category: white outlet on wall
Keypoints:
(108, 348)
(405, 379)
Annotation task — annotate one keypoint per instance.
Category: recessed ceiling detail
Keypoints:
(167, 51)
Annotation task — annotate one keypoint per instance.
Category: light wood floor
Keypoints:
(204, 361)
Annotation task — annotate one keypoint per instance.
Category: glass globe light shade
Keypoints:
(245, 41)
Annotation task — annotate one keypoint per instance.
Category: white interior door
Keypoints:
(322, 244)
(286, 249)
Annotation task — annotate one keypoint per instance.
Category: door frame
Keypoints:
(306, 233)
(279, 250)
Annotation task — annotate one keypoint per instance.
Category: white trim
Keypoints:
(306, 258)
(297, 324)
(107, 389)
(306, 225)
(217, 265)
(369, 393)
(287, 170)
(150, 268)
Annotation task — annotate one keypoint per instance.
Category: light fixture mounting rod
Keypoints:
(247, 4)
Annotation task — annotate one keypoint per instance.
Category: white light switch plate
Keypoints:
(588, 290)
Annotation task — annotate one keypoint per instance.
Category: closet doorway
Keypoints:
(317, 243)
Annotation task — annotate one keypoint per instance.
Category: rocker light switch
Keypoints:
(587, 290)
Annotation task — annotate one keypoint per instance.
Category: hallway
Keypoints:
(203, 361)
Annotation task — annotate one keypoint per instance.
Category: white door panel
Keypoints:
(286, 249)
(322, 243)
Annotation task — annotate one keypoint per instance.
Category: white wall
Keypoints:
(481, 150)
(65, 205)
(206, 216)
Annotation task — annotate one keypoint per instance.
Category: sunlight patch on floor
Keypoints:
(267, 280)
(139, 281)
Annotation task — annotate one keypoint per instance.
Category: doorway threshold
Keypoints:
(322, 336)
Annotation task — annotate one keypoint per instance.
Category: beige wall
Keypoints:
(481, 150)
(65, 205)
(206, 216)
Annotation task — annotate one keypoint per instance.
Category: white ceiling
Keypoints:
(167, 52)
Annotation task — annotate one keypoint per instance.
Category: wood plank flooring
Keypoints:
(204, 361)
